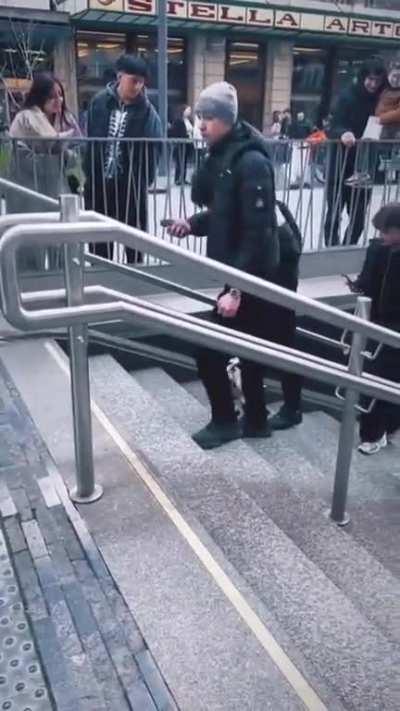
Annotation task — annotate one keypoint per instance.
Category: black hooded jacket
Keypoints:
(380, 280)
(137, 160)
(236, 185)
(351, 113)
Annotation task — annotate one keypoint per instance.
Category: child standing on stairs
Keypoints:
(380, 280)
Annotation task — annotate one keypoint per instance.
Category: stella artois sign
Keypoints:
(258, 16)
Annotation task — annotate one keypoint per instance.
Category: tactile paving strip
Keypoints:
(22, 687)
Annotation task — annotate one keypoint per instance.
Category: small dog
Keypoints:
(235, 377)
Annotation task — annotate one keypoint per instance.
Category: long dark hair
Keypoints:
(66, 114)
(41, 90)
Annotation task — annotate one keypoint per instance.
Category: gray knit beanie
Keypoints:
(220, 101)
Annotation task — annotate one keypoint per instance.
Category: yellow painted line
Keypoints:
(300, 685)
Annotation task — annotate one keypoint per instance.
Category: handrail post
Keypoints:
(346, 437)
(86, 489)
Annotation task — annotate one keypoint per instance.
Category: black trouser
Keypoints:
(182, 156)
(355, 201)
(384, 416)
(112, 201)
(283, 332)
(341, 165)
(253, 318)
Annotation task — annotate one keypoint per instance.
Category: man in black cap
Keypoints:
(118, 173)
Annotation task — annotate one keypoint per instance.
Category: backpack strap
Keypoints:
(286, 213)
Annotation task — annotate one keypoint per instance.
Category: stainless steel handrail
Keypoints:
(77, 314)
(106, 229)
(146, 276)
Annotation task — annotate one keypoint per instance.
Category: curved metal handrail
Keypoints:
(81, 227)
(109, 230)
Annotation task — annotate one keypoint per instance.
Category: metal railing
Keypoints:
(78, 305)
(121, 179)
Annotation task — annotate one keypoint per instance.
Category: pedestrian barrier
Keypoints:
(154, 186)
(78, 305)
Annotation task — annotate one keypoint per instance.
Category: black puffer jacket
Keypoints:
(240, 218)
(380, 280)
(351, 113)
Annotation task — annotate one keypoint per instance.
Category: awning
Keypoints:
(247, 16)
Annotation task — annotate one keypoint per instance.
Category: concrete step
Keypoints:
(371, 479)
(374, 491)
(301, 516)
(212, 650)
(386, 464)
(374, 499)
(314, 612)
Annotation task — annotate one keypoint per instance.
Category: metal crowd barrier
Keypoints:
(77, 305)
(310, 179)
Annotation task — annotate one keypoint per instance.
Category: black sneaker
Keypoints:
(215, 435)
(286, 418)
(252, 431)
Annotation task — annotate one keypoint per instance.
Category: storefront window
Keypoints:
(349, 62)
(245, 70)
(23, 52)
(309, 82)
(347, 66)
(146, 46)
(96, 57)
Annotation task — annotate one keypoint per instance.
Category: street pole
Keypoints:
(163, 79)
(163, 65)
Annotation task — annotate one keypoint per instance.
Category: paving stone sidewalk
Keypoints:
(67, 638)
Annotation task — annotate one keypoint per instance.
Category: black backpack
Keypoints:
(289, 235)
(290, 246)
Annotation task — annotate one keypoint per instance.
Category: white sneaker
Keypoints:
(373, 447)
(359, 180)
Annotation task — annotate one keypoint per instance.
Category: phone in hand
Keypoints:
(167, 223)
(350, 283)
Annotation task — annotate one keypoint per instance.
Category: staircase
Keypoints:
(248, 597)
(332, 595)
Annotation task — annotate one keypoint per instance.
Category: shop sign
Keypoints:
(259, 17)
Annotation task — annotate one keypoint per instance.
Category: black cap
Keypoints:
(132, 64)
(388, 217)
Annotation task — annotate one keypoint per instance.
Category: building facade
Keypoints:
(278, 54)
(34, 36)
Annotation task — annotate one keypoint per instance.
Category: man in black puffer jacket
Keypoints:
(239, 221)
(351, 113)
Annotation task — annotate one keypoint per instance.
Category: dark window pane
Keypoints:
(309, 82)
(96, 57)
(146, 46)
(245, 70)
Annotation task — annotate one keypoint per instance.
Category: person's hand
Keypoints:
(228, 304)
(179, 228)
(348, 138)
(351, 284)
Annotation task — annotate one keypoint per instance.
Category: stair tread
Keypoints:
(301, 597)
(300, 515)
(370, 479)
(386, 462)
